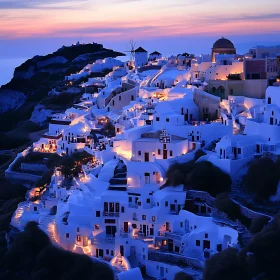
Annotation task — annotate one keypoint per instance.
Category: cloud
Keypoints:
(39, 4)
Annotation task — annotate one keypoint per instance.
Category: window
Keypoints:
(112, 253)
(206, 235)
(139, 153)
(117, 207)
(177, 249)
(78, 229)
(166, 203)
(167, 120)
(110, 221)
(219, 247)
(153, 218)
(112, 207)
(67, 235)
(197, 138)
(195, 227)
(197, 242)
(139, 203)
(105, 206)
(143, 217)
(130, 199)
(79, 238)
(157, 119)
(164, 146)
(122, 209)
(96, 226)
(239, 150)
(172, 207)
(107, 251)
(158, 151)
(269, 100)
(144, 257)
(272, 113)
(120, 98)
(148, 200)
(181, 224)
(97, 213)
(132, 98)
(171, 153)
(157, 267)
(113, 103)
(166, 270)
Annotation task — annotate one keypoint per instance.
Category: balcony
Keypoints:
(111, 214)
(53, 137)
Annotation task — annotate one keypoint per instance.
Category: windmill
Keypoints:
(132, 45)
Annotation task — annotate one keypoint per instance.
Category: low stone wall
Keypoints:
(21, 177)
(179, 260)
(33, 167)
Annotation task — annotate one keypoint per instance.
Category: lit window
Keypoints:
(96, 227)
(79, 238)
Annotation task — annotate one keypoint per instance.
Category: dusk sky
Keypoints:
(30, 27)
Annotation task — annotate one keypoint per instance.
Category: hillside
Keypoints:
(33, 80)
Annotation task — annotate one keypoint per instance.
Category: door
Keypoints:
(85, 241)
(161, 271)
(206, 244)
(271, 120)
(147, 157)
(121, 250)
(258, 149)
(167, 226)
(151, 231)
(145, 230)
(235, 152)
(170, 245)
(101, 253)
(125, 226)
(164, 154)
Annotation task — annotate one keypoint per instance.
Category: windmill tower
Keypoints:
(132, 45)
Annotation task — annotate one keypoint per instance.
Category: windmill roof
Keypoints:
(155, 53)
(140, 49)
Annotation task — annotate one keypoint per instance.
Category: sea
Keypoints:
(7, 67)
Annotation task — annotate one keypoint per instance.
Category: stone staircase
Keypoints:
(17, 220)
(47, 224)
(120, 264)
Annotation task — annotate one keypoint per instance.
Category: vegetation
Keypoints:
(258, 260)
(202, 176)
(262, 178)
(71, 165)
(225, 204)
(234, 77)
(32, 256)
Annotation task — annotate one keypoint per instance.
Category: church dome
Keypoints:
(223, 43)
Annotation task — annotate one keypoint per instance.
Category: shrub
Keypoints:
(258, 224)
(262, 178)
(209, 178)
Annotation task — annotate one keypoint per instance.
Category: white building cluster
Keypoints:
(117, 209)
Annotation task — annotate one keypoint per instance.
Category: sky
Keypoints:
(31, 27)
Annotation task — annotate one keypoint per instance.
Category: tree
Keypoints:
(224, 265)
(209, 178)
(262, 178)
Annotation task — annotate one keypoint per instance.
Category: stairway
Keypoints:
(17, 220)
(47, 224)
